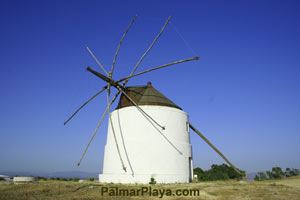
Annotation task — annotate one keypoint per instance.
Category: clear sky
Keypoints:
(243, 93)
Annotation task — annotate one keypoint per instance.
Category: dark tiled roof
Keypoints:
(145, 95)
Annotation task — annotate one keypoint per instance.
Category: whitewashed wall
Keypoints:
(146, 149)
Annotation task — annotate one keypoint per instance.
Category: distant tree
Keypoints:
(52, 178)
(58, 178)
(2, 179)
(217, 172)
(292, 172)
(41, 178)
(270, 174)
(224, 172)
(277, 173)
(70, 179)
(260, 176)
(64, 179)
(199, 172)
(296, 172)
(287, 172)
(92, 178)
(76, 179)
(256, 178)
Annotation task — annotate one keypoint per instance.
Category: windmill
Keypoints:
(148, 135)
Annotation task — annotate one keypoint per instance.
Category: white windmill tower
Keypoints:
(146, 149)
(148, 135)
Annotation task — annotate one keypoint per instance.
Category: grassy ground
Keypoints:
(280, 189)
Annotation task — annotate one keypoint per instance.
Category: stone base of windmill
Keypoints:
(141, 178)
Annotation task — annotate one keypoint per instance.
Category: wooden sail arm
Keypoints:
(155, 68)
(104, 88)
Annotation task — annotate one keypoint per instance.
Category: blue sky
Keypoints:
(243, 93)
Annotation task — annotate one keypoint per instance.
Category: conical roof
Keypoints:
(145, 95)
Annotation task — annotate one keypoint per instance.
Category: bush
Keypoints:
(76, 179)
(41, 178)
(260, 176)
(270, 175)
(92, 179)
(217, 172)
(291, 172)
(152, 181)
(276, 173)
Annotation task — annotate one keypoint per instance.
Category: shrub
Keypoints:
(41, 178)
(92, 178)
(217, 172)
(152, 181)
(277, 173)
(270, 175)
(291, 172)
(260, 176)
(76, 179)
(256, 178)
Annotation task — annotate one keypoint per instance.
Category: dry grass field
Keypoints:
(288, 188)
